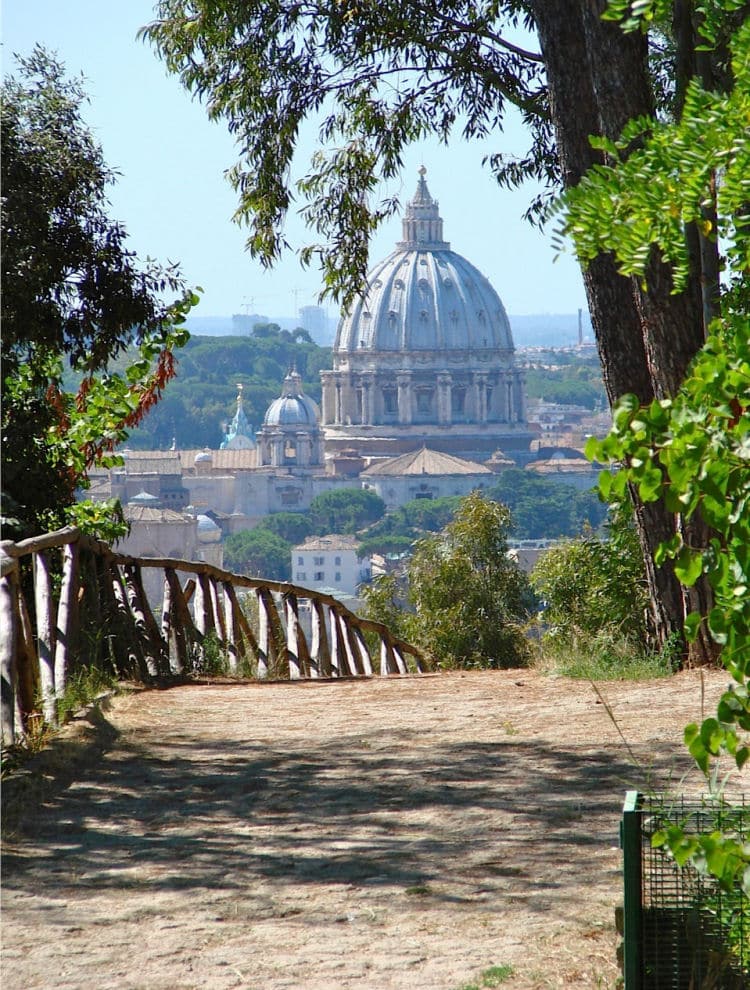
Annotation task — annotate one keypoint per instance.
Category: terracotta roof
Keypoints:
(562, 465)
(144, 513)
(425, 462)
(179, 461)
(151, 462)
(334, 541)
(221, 460)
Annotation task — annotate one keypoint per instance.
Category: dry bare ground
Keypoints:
(400, 833)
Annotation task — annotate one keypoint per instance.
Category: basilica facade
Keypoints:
(425, 355)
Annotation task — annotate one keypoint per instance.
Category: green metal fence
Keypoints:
(681, 930)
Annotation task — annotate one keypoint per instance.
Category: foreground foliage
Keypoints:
(692, 451)
(594, 583)
(72, 294)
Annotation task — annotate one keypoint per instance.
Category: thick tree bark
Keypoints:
(598, 80)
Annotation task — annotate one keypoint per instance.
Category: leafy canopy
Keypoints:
(259, 553)
(345, 510)
(374, 78)
(466, 600)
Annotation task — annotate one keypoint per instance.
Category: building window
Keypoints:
(300, 560)
(319, 576)
(318, 561)
(424, 400)
(301, 576)
(337, 576)
(337, 561)
(390, 400)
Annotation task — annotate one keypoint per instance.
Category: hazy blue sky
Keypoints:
(176, 204)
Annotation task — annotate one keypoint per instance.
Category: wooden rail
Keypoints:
(68, 601)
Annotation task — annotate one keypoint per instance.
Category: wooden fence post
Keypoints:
(27, 662)
(248, 633)
(66, 617)
(135, 662)
(9, 625)
(352, 653)
(292, 624)
(278, 663)
(203, 608)
(231, 632)
(336, 644)
(364, 653)
(321, 651)
(217, 603)
(169, 628)
(45, 635)
(137, 609)
(264, 635)
(178, 611)
(400, 661)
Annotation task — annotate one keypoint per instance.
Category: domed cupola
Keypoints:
(293, 407)
(425, 352)
(291, 435)
(424, 297)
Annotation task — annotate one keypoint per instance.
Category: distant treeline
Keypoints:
(568, 378)
(197, 405)
(201, 400)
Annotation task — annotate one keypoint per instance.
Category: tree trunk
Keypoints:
(598, 80)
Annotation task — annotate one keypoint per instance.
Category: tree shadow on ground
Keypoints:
(448, 819)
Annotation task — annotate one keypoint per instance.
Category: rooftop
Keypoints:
(425, 462)
(333, 541)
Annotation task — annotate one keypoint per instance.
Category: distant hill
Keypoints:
(242, 324)
(539, 330)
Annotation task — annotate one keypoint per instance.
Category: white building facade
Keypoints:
(330, 562)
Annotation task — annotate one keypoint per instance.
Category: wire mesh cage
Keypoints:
(694, 935)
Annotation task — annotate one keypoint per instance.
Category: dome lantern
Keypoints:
(422, 224)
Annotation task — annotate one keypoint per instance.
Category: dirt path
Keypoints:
(381, 834)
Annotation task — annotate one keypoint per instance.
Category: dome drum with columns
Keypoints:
(426, 351)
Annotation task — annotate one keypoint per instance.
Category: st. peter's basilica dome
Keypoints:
(425, 354)
(425, 297)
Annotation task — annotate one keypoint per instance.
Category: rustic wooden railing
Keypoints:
(90, 607)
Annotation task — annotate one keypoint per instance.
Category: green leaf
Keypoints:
(692, 625)
(688, 566)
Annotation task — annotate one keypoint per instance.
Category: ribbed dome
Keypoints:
(293, 407)
(425, 297)
(208, 531)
